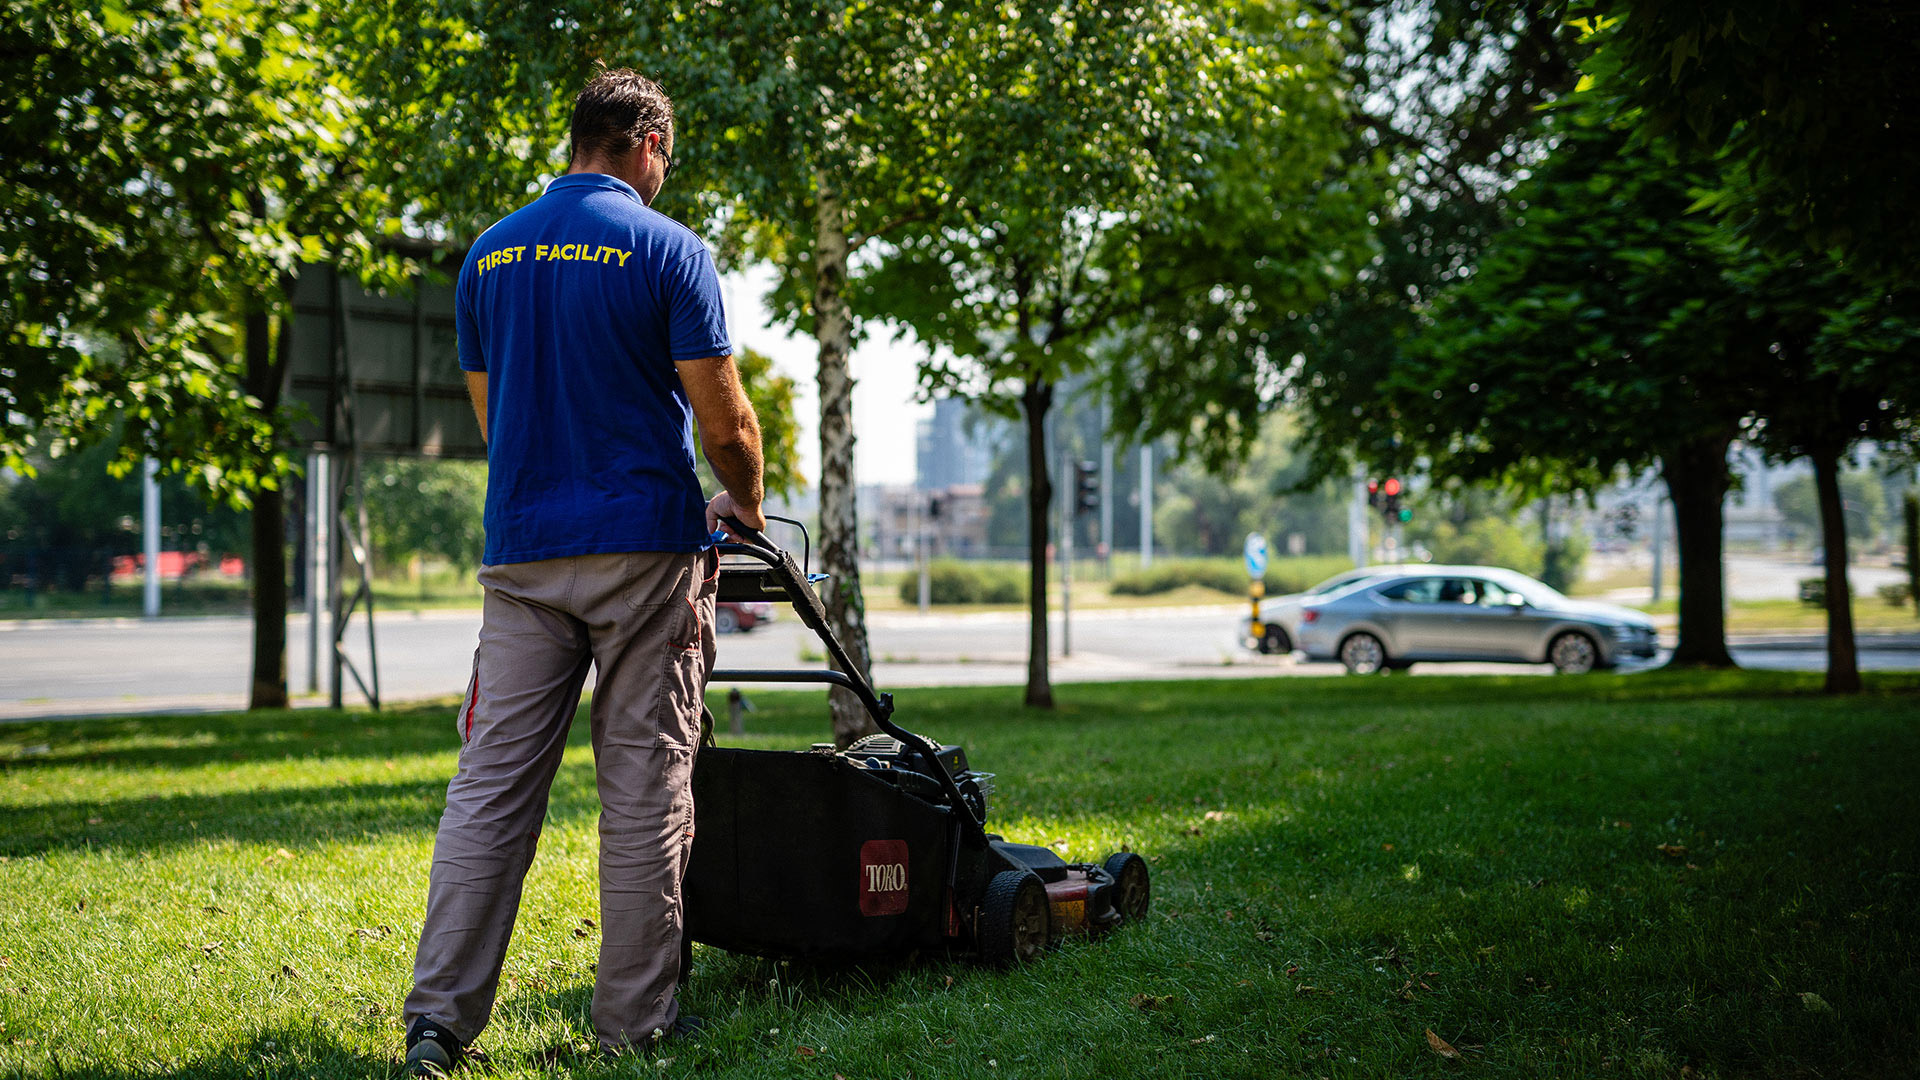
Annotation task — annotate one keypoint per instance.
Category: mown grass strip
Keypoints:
(1607, 876)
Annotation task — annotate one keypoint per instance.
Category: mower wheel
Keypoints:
(1131, 889)
(1016, 922)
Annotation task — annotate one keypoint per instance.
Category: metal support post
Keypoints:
(150, 528)
(1146, 506)
(1106, 503)
(319, 564)
(1659, 547)
(1068, 503)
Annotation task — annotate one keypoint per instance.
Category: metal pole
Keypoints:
(1357, 523)
(150, 526)
(1106, 502)
(1659, 546)
(920, 546)
(1068, 504)
(335, 542)
(316, 562)
(1146, 506)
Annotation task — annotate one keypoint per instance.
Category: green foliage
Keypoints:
(62, 526)
(1210, 512)
(952, 581)
(772, 396)
(1813, 98)
(1071, 247)
(1450, 160)
(1863, 498)
(1813, 591)
(1415, 850)
(1896, 594)
(1484, 541)
(167, 167)
(1166, 575)
(420, 506)
(1287, 574)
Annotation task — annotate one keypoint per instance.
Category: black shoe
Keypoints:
(686, 1028)
(432, 1050)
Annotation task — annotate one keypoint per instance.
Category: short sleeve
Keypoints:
(466, 325)
(696, 320)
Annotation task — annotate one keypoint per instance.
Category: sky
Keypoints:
(884, 412)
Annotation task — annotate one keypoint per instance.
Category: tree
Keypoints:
(1862, 495)
(1210, 512)
(1594, 335)
(1812, 97)
(1147, 182)
(1449, 93)
(808, 130)
(63, 526)
(1846, 369)
(168, 168)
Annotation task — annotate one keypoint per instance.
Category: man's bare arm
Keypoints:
(477, 393)
(729, 436)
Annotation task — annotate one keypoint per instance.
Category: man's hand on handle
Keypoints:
(723, 506)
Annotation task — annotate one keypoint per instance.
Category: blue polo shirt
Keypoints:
(577, 306)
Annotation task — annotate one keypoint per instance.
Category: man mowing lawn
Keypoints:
(592, 335)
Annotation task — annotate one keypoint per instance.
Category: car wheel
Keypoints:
(1274, 642)
(1363, 654)
(725, 621)
(1573, 653)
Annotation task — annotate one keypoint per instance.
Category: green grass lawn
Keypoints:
(1659, 875)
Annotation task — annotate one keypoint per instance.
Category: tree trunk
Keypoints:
(1035, 400)
(264, 370)
(839, 514)
(1697, 480)
(1843, 663)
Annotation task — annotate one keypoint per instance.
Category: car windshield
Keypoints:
(1340, 581)
(1537, 593)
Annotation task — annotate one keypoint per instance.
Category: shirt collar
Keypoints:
(595, 180)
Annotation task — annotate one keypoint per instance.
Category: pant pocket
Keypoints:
(463, 717)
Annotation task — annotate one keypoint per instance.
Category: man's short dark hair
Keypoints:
(615, 113)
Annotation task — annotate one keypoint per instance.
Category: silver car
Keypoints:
(1468, 613)
(1280, 615)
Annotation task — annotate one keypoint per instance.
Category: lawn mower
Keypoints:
(876, 850)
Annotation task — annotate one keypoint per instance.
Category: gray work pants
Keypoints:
(645, 621)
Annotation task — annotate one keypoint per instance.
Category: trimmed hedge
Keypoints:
(951, 581)
(1227, 575)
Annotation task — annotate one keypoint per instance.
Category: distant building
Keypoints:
(954, 447)
(953, 520)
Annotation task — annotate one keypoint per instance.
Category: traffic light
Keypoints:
(933, 508)
(1384, 496)
(1086, 486)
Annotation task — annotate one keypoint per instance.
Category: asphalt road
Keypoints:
(109, 666)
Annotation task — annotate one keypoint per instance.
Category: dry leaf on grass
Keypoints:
(1442, 1047)
(1147, 1002)
(805, 1051)
(1814, 1002)
(1673, 851)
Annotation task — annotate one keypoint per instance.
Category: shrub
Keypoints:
(1284, 575)
(950, 581)
(1813, 591)
(1896, 594)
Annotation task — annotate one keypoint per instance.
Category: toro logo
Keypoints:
(883, 877)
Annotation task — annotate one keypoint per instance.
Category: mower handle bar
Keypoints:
(806, 604)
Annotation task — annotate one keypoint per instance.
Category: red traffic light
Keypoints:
(1373, 487)
(1392, 486)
